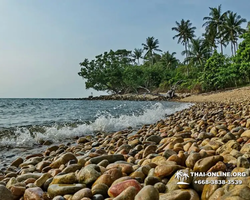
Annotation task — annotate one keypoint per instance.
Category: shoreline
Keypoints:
(207, 137)
(133, 97)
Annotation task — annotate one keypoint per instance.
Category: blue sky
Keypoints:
(43, 41)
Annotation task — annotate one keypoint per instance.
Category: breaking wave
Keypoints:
(104, 121)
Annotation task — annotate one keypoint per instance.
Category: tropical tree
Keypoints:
(232, 29)
(217, 73)
(185, 32)
(151, 46)
(210, 39)
(215, 24)
(198, 52)
(137, 54)
(242, 58)
(132, 77)
(169, 60)
(106, 70)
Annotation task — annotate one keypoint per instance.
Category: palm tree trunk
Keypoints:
(235, 48)
(221, 46)
(186, 56)
(232, 48)
(186, 48)
(152, 60)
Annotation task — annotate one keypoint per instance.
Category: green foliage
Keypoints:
(132, 77)
(105, 71)
(217, 72)
(116, 72)
(198, 52)
(203, 69)
(169, 60)
(242, 58)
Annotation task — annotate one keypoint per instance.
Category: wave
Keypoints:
(29, 136)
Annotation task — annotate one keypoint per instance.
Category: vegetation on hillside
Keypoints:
(204, 68)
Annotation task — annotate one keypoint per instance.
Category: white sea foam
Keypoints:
(105, 123)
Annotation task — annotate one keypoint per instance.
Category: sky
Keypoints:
(42, 42)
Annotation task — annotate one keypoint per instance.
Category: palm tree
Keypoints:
(210, 39)
(169, 60)
(151, 45)
(232, 29)
(137, 54)
(214, 23)
(198, 52)
(185, 32)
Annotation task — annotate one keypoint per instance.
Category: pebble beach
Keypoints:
(211, 137)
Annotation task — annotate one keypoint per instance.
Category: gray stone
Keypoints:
(110, 158)
(5, 194)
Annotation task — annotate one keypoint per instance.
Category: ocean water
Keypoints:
(26, 122)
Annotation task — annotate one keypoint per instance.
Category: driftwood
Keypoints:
(171, 93)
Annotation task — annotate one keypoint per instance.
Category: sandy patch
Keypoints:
(234, 95)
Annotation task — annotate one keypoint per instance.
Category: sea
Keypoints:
(26, 123)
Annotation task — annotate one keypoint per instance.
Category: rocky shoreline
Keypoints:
(145, 164)
(134, 97)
